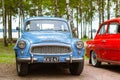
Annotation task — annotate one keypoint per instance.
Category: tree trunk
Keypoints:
(56, 8)
(22, 19)
(119, 8)
(84, 28)
(99, 10)
(19, 22)
(108, 9)
(102, 10)
(91, 30)
(116, 9)
(69, 16)
(80, 10)
(39, 7)
(77, 23)
(91, 19)
(4, 24)
(10, 27)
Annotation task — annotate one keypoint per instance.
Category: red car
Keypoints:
(105, 47)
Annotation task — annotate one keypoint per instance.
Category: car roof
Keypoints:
(52, 18)
(112, 20)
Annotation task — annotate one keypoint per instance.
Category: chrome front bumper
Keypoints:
(33, 60)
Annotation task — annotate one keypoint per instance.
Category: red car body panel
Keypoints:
(107, 44)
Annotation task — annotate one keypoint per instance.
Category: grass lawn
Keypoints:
(84, 40)
(6, 54)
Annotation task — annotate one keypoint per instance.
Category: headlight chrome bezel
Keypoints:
(79, 44)
(21, 44)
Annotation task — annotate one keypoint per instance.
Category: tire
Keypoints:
(22, 68)
(76, 68)
(94, 59)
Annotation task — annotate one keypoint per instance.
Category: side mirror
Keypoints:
(74, 29)
(17, 28)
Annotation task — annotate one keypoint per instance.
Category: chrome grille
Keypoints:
(50, 49)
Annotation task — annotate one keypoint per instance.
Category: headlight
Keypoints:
(79, 44)
(21, 44)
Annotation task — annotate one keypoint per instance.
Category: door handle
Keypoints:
(103, 41)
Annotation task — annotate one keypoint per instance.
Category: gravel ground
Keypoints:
(105, 72)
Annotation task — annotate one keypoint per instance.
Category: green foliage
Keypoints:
(48, 7)
(84, 39)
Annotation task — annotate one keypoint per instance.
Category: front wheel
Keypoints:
(94, 60)
(76, 68)
(22, 68)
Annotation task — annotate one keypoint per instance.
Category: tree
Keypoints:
(39, 7)
(99, 10)
(91, 9)
(56, 8)
(9, 13)
(80, 11)
(69, 16)
(108, 9)
(117, 8)
(4, 24)
(102, 9)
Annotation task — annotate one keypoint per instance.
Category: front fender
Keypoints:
(75, 51)
(22, 52)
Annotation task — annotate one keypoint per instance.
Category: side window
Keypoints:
(103, 29)
(114, 28)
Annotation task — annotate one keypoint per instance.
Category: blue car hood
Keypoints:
(39, 37)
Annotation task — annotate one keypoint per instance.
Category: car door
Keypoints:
(113, 42)
(100, 40)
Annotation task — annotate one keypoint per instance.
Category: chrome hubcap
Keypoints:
(94, 58)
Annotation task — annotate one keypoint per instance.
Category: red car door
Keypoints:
(100, 42)
(113, 42)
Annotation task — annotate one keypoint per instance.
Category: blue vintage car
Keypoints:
(48, 40)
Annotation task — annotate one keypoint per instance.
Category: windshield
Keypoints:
(49, 25)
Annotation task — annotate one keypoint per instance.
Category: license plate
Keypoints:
(51, 59)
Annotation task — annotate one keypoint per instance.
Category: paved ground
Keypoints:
(105, 72)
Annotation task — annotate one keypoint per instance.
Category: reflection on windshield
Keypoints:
(43, 25)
